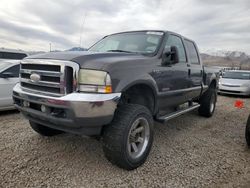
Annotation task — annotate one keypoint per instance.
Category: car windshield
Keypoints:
(134, 42)
(3, 65)
(237, 75)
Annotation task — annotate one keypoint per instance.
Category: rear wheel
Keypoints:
(43, 130)
(247, 132)
(208, 102)
(128, 139)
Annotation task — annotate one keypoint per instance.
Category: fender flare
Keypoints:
(213, 78)
(142, 80)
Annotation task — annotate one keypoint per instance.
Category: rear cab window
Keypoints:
(192, 52)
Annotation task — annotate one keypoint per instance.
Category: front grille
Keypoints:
(54, 77)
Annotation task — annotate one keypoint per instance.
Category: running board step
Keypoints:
(172, 115)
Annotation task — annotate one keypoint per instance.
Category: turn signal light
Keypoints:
(108, 89)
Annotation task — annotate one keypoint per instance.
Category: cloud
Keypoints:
(26, 33)
(219, 24)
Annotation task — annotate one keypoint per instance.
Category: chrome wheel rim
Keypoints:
(212, 103)
(138, 138)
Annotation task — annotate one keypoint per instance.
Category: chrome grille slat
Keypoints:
(43, 73)
(43, 78)
(41, 83)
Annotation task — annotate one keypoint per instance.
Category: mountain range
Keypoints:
(226, 59)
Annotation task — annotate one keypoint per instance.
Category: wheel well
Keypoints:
(139, 94)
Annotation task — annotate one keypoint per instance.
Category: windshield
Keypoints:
(237, 75)
(134, 42)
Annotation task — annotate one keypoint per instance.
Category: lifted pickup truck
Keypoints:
(115, 90)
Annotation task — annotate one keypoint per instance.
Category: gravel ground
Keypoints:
(189, 151)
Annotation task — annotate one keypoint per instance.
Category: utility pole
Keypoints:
(82, 26)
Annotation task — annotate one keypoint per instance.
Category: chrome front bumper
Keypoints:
(80, 113)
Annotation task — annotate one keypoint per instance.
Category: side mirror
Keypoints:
(7, 75)
(170, 56)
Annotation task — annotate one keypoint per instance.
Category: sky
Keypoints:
(32, 25)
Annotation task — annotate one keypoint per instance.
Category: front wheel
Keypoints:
(128, 139)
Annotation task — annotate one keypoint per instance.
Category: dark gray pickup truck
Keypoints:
(116, 90)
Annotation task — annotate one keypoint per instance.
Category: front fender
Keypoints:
(128, 82)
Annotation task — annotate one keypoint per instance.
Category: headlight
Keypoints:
(94, 81)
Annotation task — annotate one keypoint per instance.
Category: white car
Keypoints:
(235, 82)
(9, 76)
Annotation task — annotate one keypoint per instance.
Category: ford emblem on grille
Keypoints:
(35, 77)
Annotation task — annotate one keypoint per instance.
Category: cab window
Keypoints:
(176, 41)
(192, 52)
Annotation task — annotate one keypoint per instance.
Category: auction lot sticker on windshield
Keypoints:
(154, 33)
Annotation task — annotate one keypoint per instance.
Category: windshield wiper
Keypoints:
(120, 51)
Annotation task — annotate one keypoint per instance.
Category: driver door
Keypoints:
(173, 80)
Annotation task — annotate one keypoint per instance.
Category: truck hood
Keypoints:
(92, 60)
